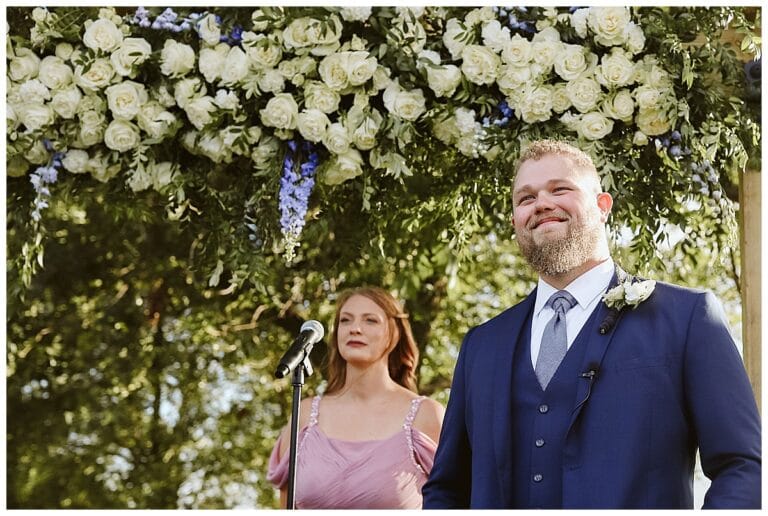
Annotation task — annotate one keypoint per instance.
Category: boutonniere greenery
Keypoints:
(628, 293)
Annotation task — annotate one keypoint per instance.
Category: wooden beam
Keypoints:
(750, 240)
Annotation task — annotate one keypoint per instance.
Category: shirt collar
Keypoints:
(584, 288)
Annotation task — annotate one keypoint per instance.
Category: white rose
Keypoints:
(212, 60)
(24, 65)
(545, 51)
(92, 127)
(653, 122)
(454, 37)
(517, 51)
(640, 139)
(209, 30)
(465, 120)
(262, 51)
(199, 111)
(319, 96)
(408, 105)
(176, 59)
(40, 14)
(494, 35)
(122, 136)
(271, 81)
(162, 173)
(212, 145)
(11, 118)
(337, 139)
(154, 120)
(620, 106)
(381, 78)
(76, 161)
(360, 67)
(594, 126)
(408, 31)
(125, 99)
(35, 116)
(615, 70)
(609, 24)
(648, 97)
(259, 23)
(352, 14)
(579, 22)
(333, 71)
(429, 55)
(34, 91)
(584, 93)
(324, 36)
(102, 34)
(345, 167)
(638, 292)
(101, 170)
(364, 137)
(281, 112)
(265, 152)
(513, 78)
(131, 53)
(477, 16)
(444, 128)
(235, 67)
(560, 100)
(535, 105)
(227, 100)
(185, 90)
(97, 77)
(573, 61)
(443, 80)
(64, 51)
(635, 39)
(480, 64)
(37, 154)
(163, 96)
(313, 124)
(54, 73)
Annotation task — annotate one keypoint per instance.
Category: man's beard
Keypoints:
(555, 257)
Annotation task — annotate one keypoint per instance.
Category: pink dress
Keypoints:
(336, 474)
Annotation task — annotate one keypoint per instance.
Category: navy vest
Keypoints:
(540, 420)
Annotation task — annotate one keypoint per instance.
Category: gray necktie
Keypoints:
(554, 342)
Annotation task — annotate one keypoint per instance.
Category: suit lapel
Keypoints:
(506, 342)
(597, 345)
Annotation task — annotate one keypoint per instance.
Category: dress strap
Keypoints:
(408, 427)
(315, 411)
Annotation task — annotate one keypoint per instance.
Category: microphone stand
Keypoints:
(305, 368)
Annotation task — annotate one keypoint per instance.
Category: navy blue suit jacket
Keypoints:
(669, 379)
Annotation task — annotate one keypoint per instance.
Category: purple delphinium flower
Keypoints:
(296, 186)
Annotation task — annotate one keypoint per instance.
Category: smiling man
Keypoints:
(563, 401)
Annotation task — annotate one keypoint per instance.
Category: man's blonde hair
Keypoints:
(540, 148)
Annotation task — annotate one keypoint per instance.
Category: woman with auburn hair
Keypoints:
(370, 440)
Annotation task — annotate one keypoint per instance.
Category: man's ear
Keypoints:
(604, 203)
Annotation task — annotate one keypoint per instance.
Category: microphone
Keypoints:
(591, 375)
(311, 333)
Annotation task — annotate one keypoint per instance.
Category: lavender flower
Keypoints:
(296, 186)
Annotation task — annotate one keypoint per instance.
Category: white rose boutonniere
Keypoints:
(628, 294)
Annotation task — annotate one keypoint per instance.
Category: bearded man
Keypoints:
(597, 390)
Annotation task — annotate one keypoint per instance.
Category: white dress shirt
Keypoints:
(587, 289)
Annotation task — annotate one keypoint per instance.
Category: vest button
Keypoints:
(538, 477)
(539, 443)
(543, 408)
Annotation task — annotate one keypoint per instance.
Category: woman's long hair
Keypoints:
(404, 353)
